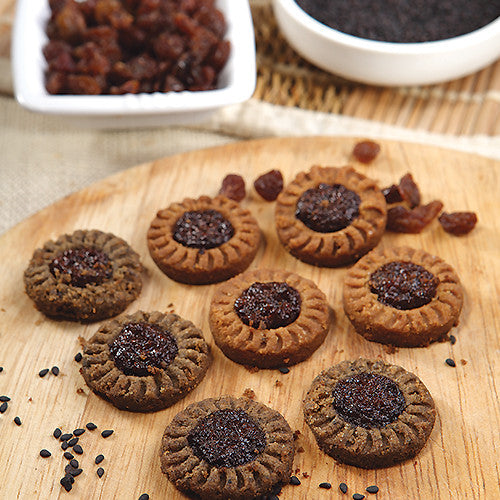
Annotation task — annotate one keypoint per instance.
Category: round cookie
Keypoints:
(84, 276)
(369, 413)
(330, 216)
(203, 241)
(145, 361)
(227, 448)
(402, 296)
(268, 318)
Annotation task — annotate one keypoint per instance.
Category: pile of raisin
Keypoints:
(132, 46)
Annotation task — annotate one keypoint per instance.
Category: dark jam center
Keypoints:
(328, 208)
(403, 285)
(203, 229)
(227, 438)
(368, 400)
(268, 305)
(143, 348)
(83, 265)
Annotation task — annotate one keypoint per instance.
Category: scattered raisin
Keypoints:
(458, 223)
(402, 220)
(269, 185)
(366, 151)
(233, 187)
(409, 190)
(392, 194)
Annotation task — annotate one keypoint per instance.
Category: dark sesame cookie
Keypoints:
(330, 216)
(269, 318)
(402, 296)
(369, 413)
(204, 240)
(145, 361)
(84, 276)
(227, 448)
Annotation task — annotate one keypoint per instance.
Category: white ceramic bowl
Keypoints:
(236, 81)
(386, 63)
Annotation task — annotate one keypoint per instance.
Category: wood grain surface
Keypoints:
(461, 457)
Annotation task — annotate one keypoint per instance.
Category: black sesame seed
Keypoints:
(450, 362)
(100, 471)
(99, 459)
(358, 496)
(453, 339)
(3, 399)
(78, 432)
(67, 482)
(325, 486)
(284, 369)
(1, 369)
(72, 471)
(78, 449)
(55, 370)
(64, 445)
(17, 421)
(3, 407)
(343, 487)
(72, 442)
(57, 433)
(372, 489)
(78, 357)
(74, 463)
(45, 453)
(107, 433)
(43, 372)
(68, 456)
(294, 480)
(65, 437)
(144, 496)
(90, 426)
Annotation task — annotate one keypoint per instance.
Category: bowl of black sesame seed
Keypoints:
(384, 42)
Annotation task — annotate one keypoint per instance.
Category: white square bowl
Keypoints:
(236, 81)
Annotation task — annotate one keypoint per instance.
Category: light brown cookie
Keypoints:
(330, 216)
(402, 296)
(369, 413)
(269, 318)
(204, 240)
(227, 448)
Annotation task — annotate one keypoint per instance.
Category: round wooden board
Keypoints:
(458, 461)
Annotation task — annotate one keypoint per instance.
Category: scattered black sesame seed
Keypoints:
(78, 432)
(57, 433)
(78, 449)
(325, 486)
(3, 399)
(72, 471)
(45, 453)
(3, 407)
(90, 426)
(107, 433)
(43, 372)
(65, 437)
(450, 362)
(453, 339)
(67, 482)
(144, 496)
(100, 471)
(17, 421)
(64, 445)
(372, 489)
(358, 496)
(99, 459)
(74, 463)
(78, 357)
(294, 480)
(1, 369)
(68, 456)
(72, 442)
(343, 487)
(284, 369)
(55, 370)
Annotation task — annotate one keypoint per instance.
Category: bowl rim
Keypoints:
(28, 63)
(456, 43)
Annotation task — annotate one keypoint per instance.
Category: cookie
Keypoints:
(227, 448)
(145, 361)
(203, 241)
(268, 318)
(402, 296)
(330, 216)
(84, 276)
(369, 413)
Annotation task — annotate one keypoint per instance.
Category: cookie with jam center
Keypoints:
(269, 318)
(145, 361)
(330, 216)
(227, 448)
(204, 240)
(402, 296)
(369, 413)
(85, 276)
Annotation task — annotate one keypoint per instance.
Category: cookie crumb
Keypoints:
(300, 449)
(305, 474)
(390, 349)
(463, 362)
(252, 369)
(278, 383)
(249, 393)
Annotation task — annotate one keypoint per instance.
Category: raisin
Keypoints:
(392, 194)
(269, 185)
(233, 187)
(366, 151)
(458, 223)
(409, 190)
(402, 220)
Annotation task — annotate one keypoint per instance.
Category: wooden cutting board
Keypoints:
(461, 457)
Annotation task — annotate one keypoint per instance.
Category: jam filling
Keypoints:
(142, 349)
(84, 266)
(368, 400)
(202, 229)
(328, 208)
(268, 305)
(403, 285)
(227, 438)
